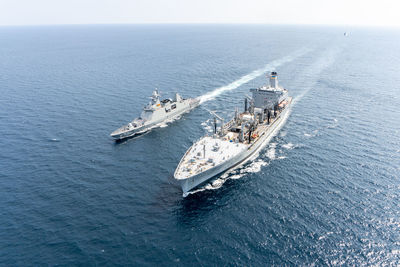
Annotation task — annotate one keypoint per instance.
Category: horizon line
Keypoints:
(204, 23)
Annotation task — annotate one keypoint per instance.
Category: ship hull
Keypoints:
(147, 126)
(196, 180)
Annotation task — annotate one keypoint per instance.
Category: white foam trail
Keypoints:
(314, 71)
(254, 167)
(288, 146)
(206, 126)
(217, 183)
(211, 186)
(247, 78)
(271, 152)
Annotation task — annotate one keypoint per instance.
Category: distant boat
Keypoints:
(346, 34)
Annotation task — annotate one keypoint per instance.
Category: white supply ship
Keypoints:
(236, 141)
(155, 113)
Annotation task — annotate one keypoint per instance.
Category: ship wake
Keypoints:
(254, 74)
(309, 77)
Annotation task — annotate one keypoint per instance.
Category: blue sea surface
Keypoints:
(324, 191)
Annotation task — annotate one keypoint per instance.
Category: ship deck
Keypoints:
(207, 153)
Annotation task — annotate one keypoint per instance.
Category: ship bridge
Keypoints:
(267, 96)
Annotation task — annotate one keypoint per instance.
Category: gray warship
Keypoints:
(155, 113)
(235, 142)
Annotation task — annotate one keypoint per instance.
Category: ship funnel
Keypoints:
(273, 80)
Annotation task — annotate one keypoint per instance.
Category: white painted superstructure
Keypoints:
(237, 140)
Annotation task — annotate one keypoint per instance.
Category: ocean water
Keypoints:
(325, 191)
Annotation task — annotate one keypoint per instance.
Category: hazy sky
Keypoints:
(342, 12)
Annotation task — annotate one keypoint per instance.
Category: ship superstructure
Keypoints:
(236, 141)
(155, 113)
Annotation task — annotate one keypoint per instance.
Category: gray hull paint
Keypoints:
(194, 181)
(147, 127)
